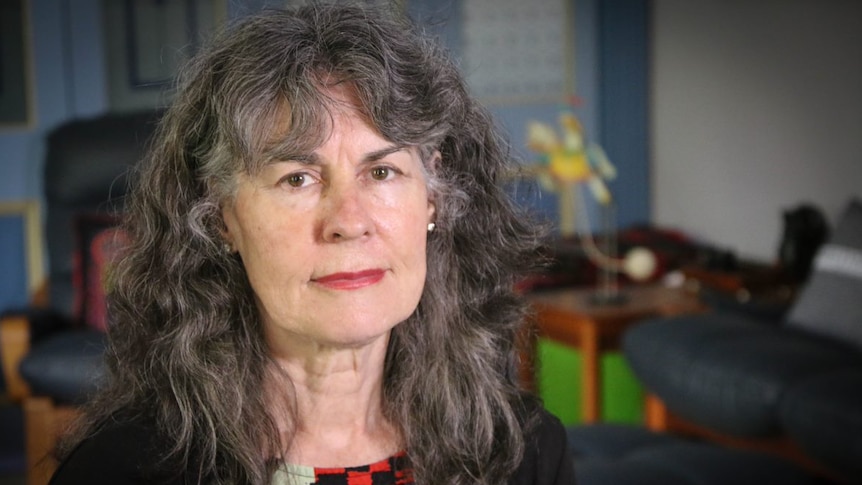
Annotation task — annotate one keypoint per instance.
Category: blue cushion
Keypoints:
(12, 458)
(724, 371)
(599, 450)
(611, 440)
(707, 464)
(631, 455)
(613, 472)
(67, 366)
(823, 414)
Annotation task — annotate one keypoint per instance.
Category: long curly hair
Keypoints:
(186, 341)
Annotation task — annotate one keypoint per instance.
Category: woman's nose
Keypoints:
(345, 214)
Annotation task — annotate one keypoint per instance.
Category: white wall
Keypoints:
(756, 107)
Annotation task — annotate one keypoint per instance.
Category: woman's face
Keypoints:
(333, 241)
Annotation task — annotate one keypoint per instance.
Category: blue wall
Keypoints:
(622, 63)
(68, 69)
(13, 283)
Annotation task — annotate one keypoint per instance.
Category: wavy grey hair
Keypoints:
(186, 342)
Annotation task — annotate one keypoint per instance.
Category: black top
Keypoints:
(124, 453)
(547, 459)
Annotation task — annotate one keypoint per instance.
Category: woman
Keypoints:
(320, 279)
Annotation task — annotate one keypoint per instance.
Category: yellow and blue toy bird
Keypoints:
(569, 162)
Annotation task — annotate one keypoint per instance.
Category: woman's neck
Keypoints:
(339, 405)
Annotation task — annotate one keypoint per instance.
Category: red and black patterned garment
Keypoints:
(394, 470)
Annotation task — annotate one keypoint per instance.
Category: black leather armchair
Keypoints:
(53, 352)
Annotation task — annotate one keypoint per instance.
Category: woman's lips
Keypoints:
(351, 280)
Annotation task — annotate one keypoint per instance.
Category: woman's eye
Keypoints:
(297, 179)
(380, 173)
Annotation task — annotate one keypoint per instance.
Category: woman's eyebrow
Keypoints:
(314, 159)
(383, 153)
(305, 158)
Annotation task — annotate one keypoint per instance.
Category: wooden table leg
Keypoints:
(655, 413)
(591, 373)
(14, 345)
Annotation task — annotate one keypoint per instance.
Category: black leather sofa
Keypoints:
(796, 381)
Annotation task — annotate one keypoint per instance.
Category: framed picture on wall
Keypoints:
(148, 40)
(16, 97)
(517, 51)
(20, 253)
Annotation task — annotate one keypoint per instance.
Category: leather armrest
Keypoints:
(14, 345)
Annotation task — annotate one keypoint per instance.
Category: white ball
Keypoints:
(639, 264)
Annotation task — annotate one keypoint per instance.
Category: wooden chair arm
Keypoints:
(14, 345)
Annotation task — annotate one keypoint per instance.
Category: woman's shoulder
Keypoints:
(122, 450)
(547, 458)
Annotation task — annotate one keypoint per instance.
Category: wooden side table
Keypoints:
(568, 316)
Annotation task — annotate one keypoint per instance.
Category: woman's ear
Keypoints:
(433, 167)
(432, 212)
(227, 219)
(435, 160)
